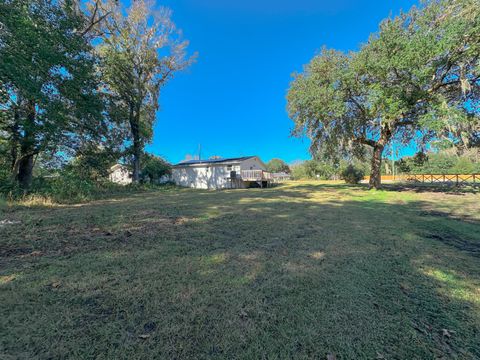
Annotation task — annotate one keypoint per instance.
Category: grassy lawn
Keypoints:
(298, 271)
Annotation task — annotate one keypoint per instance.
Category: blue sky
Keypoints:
(232, 100)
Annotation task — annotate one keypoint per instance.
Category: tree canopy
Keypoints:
(141, 51)
(154, 167)
(81, 80)
(415, 80)
(47, 79)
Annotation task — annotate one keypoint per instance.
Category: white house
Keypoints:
(120, 174)
(240, 172)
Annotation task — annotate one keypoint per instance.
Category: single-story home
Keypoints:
(120, 174)
(232, 173)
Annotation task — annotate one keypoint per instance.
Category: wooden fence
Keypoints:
(432, 178)
(444, 178)
(388, 178)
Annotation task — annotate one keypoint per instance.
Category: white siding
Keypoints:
(120, 175)
(252, 164)
(213, 176)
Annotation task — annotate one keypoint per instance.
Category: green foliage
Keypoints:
(6, 182)
(92, 163)
(299, 171)
(141, 50)
(154, 167)
(48, 81)
(277, 165)
(352, 174)
(325, 169)
(67, 187)
(442, 162)
(313, 169)
(5, 156)
(414, 80)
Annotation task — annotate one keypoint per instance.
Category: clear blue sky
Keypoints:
(232, 100)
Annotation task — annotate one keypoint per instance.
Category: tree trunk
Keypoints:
(13, 152)
(14, 140)
(376, 170)
(137, 152)
(23, 167)
(137, 144)
(25, 171)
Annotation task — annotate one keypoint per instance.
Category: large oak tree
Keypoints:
(417, 79)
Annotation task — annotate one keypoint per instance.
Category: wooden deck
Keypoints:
(255, 175)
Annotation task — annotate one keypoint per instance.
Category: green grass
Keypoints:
(298, 271)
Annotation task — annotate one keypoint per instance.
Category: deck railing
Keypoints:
(255, 175)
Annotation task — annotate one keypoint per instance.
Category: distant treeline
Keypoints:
(441, 162)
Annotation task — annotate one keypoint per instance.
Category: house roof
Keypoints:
(213, 161)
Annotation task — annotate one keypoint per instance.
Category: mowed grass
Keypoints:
(298, 271)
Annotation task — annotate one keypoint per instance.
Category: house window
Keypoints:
(229, 168)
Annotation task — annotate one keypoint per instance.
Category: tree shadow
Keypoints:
(437, 188)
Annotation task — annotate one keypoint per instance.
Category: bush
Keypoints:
(313, 169)
(277, 165)
(154, 168)
(6, 182)
(64, 188)
(69, 189)
(352, 174)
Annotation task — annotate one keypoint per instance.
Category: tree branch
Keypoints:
(365, 141)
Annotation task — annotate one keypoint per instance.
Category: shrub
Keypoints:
(154, 168)
(67, 188)
(313, 169)
(352, 174)
(277, 165)
(6, 182)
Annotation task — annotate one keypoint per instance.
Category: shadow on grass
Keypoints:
(437, 188)
(261, 273)
(397, 187)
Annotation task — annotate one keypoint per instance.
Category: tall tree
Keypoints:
(47, 79)
(141, 51)
(417, 79)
